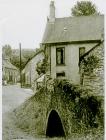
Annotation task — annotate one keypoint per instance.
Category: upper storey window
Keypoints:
(60, 56)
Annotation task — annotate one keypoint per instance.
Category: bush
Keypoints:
(90, 63)
(42, 66)
(87, 107)
(87, 110)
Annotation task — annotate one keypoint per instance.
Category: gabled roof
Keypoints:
(69, 29)
(36, 53)
(6, 63)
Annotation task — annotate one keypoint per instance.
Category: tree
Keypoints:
(26, 55)
(14, 55)
(42, 66)
(88, 65)
(15, 60)
(7, 51)
(84, 8)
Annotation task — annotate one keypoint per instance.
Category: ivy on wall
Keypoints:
(90, 63)
(42, 66)
(86, 107)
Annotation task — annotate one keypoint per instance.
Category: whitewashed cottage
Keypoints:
(67, 39)
(29, 73)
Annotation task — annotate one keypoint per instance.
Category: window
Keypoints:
(81, 51)
(60, 56)
(61, 74)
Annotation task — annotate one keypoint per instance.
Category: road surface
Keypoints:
(12, 97)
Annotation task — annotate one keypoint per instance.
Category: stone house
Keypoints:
(9, 72)
(67, 39)
(29, 73)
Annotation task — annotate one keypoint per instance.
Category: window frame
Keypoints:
(80, 53)
(60, 74)
(59, 48)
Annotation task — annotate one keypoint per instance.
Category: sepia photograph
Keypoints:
(53, 83)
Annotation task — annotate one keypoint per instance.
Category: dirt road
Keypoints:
(12, 97)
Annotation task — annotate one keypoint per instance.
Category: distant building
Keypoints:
(29, 73)
(10, 73)
(67, 39)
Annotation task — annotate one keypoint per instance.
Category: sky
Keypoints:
(24, 21)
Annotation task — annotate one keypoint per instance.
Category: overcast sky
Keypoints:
(25, 20)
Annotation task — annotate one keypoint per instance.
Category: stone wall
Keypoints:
(95, 81)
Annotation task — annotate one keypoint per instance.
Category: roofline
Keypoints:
(36, 54)
(11, 68)
(39, 77)
(72, 42)
(33, 57)
(82, 57)
(94, 15)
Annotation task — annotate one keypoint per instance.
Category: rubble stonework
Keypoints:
(95, 80)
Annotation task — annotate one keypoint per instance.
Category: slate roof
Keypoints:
(7, 64)
(69, 29)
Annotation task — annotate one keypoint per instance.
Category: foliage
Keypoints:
(90, 63)
(67, 88)
(14, 55)
(7, 51)
(87, 107)
(15, 60)
(26, 55)
(42, 66)
(84, 8)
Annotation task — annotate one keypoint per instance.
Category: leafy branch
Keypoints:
(90, 63)
(42, 66)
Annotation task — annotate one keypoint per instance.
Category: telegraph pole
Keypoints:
(20, 66)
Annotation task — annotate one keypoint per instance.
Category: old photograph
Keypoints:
(52, 69)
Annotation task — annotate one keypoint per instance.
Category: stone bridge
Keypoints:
(46, 113)
(49, 113)
(56, 115)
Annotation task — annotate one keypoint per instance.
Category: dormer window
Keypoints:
(60, 56)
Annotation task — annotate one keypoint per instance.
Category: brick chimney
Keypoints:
(52, 12)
